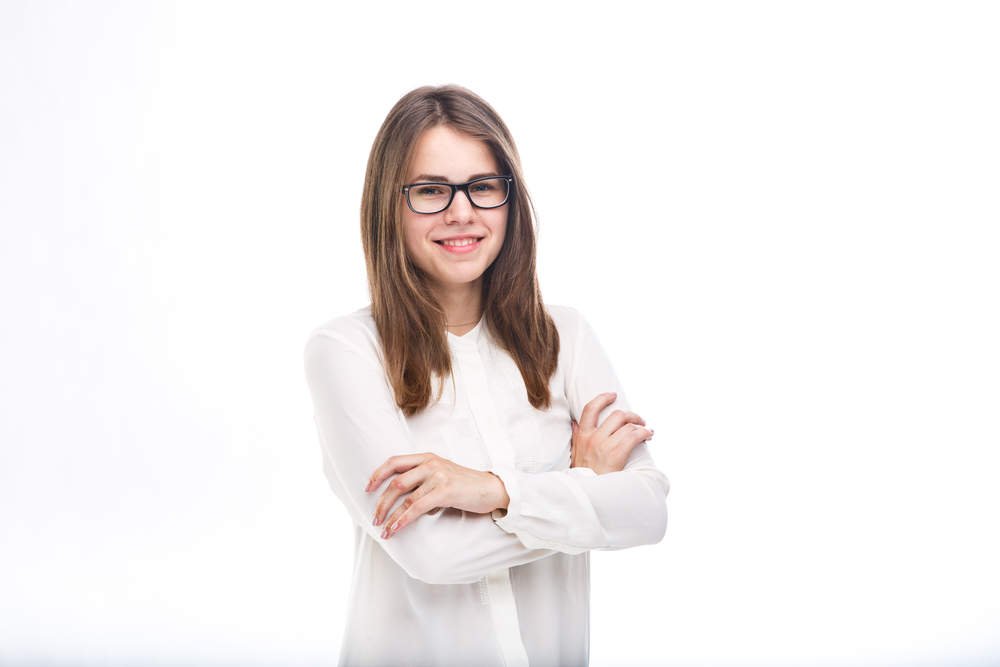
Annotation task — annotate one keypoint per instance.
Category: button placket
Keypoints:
(501, 453)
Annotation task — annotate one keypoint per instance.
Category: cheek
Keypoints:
(500, 230)
(412, 237)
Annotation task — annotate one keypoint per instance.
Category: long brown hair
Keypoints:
(409, 320)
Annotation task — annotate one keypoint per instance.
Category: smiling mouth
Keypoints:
(460, 242)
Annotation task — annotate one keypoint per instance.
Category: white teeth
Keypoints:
(460, 242)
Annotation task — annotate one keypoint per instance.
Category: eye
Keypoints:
(428, 191)
(483, 186)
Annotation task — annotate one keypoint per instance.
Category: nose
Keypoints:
(461, 209)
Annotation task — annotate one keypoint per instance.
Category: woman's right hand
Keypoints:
(431, 482)
(606, 448)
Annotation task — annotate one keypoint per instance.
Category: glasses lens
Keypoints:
(429, 197)
(489, 192)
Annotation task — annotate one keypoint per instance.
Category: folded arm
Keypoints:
(571, 510)
(360, 428)
(577, 509)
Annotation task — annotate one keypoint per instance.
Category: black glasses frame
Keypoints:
(464, 187)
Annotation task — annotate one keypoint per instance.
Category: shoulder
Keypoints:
(577, 339)
(569, 322)
(354, 334)
(574, 333)
(360, 322)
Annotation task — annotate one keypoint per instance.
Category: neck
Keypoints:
(462, 305)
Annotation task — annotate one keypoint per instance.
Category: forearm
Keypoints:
(442, 547)
(575, 510)
(359, 429)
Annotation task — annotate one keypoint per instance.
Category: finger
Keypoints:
(393, 466)
(616, 420)
(415, 509)
(404, 483)
(629, 437)
(392, 523)
(588, 418)
(416, 504)
(574, 449)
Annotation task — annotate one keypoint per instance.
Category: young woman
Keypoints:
(479, 439)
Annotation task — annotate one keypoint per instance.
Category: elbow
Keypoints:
(653, 520)
(659, 525)
(652, 528)
(437, 576)
(427, 569)
(658, 509)
(430, 560)
(645, 526)
(658, 514)
(438, 572)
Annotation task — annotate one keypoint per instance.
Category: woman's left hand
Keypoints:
(432, 482)
(606, 448)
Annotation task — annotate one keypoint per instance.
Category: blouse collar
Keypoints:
(469, 340)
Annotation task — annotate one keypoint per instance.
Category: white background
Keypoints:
(781, 218)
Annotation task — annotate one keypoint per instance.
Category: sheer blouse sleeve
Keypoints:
(359, 428)
(570, 511)
(575, 510)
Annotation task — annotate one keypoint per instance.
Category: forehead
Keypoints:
(442, 152)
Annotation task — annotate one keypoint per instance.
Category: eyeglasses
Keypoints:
(488, 192)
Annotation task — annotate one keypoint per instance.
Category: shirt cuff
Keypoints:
(507, 519)
(547, 501)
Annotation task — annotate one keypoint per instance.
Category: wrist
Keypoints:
(502, 498)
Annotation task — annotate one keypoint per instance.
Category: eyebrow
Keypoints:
(436, 178)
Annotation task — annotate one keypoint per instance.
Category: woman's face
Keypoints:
(453, 247)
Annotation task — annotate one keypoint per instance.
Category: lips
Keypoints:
(459, 242)
(460, 245)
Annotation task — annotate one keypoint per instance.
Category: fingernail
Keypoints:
(375, 520)
(368, 486)
(644, 423)
(651, 432)
(385, 534)
(394, 527)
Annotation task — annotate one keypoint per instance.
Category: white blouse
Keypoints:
(457, 588)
